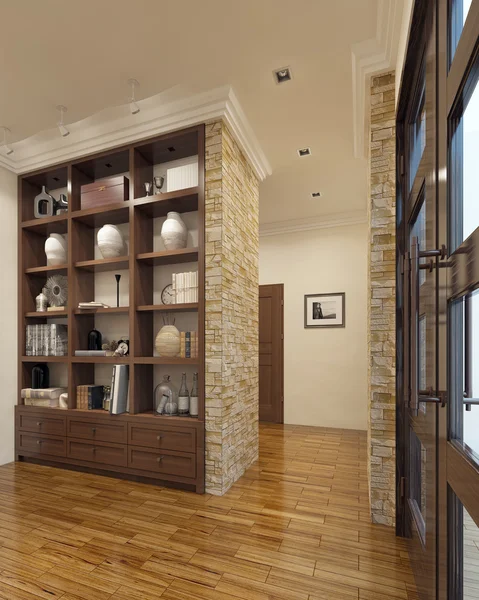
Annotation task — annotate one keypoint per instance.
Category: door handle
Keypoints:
(470, 402)
(432, 397)
(414, 398)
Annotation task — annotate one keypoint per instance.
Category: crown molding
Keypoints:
(371, 57)
(115, 127)
(357, 217)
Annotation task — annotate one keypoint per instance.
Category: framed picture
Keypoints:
(325, 310)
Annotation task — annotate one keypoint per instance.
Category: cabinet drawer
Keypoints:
(40, 444)
(155, 461)
(99, 453)
(182, 439)
(41, 424)
(87, 429)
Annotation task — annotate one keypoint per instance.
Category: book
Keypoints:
(95, 397)
(87, 305)
(55, 308)
(90, 352)
(119, 389)
(43, 402)
(46, 393)
(182, 344)
(188, 344)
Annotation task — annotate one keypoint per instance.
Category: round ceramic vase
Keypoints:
(56, 250)
(110, 241)
(167, 341)
(174, 232)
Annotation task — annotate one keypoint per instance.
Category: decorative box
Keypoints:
(111, 190)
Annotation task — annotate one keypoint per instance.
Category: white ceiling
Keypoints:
(81, 54)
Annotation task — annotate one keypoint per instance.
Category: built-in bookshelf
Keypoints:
(146, 268)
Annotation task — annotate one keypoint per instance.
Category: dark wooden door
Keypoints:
(271, 353)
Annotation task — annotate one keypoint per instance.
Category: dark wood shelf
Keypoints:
(165, 360)
(48, 269)
(189, 307)
(47, 225)
(169, 257)
(160, 204)
(111, 310)
(104, 264)
(108, 213)
(102, 360)
(52, 314)
(47, 359)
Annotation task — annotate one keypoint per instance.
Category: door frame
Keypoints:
(279, 289)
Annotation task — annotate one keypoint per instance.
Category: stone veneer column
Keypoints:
(232, 310)
(382, 301)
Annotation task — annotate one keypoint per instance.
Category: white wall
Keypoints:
(8, 310)
(325, 371)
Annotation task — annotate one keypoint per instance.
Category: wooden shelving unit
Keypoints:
(129, 444)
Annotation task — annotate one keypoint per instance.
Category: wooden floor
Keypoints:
(295, 527)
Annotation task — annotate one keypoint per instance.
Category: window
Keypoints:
(417, 132)
(457, 18)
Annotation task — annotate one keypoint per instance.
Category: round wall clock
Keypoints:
(168, 295)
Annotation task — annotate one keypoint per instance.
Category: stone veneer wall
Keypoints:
(382, 301)
(232, 310)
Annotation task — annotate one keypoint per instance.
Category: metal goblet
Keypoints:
(159, 181)
(148, 188)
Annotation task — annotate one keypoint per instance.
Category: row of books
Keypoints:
(92, 397)
(189, 344)
(46, 340)
(185, 287)
(46, 397)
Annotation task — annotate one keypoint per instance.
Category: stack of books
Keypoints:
(91, 305)
(89, 397)
(47, 397)
(185, 287)
(189, 344)
(46, 340)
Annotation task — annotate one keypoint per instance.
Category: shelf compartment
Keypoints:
(54, 314)
(47, 225)
(104, 264)
(169, 257)
(160, 205)
(112, 310)
(102, 360)
(97, 217)
(45, 359)
(187, 307)
(165, 360)
(47, 269)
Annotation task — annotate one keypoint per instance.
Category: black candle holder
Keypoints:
(117, 277)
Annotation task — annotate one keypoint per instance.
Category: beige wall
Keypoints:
(325, 374)
(8, 310)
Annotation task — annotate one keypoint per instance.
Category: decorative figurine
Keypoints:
(148, 188)
(61, 205)
(44, 204)
(41, 301)
(159, 181)
(94, 340)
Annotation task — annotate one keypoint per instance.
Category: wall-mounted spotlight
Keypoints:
(5, 147)
(61, 125)
(134, 108)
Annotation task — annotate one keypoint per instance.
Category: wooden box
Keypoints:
(111, 190)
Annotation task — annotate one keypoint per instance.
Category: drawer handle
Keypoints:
(39, 442)
(93, 430)
(93, 450)
(159, 459)
(39, 424)
(158, 437)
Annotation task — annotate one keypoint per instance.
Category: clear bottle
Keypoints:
(183, 397)
(41, 301)
(165, 392)
(194, 396)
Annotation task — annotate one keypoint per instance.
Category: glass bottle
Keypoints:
(194, 396)
(183, 397)
(165, 392)
(41, 301)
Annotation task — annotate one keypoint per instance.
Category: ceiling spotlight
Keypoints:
(5, 147)
(282, 75)
(315, 194)
(134, 108)
(61, 126)
(304, 152)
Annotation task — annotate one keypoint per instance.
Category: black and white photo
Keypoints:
(324, 310)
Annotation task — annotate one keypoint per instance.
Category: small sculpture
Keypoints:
(159, 181)
(148, 187)
(44, 204)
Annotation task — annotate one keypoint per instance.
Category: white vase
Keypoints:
(56, 250)
(167, 341)
(174, 232)
(110, 241)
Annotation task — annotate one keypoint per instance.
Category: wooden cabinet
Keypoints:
(89, 429)
(42, 445)
(37, 423)
(162, 437)
(97, 452)
(168, 463)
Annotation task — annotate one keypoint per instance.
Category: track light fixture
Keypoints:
(5, 147)
(134, 108)
(61, 126)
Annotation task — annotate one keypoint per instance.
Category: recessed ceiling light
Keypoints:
(315, 194)
(304, 152)
(282, 75)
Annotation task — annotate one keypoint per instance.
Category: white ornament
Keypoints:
(167, 341)
(56, 250)
(174, 232)
(110, 241)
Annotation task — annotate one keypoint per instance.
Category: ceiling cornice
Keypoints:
(115, 126)
(296, 225)
(370, 57)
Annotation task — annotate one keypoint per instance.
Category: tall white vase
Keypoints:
(167, 341)
(56, 250)
(174, 232)
(110, 241)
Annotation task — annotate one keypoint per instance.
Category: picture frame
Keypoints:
(324, 310)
